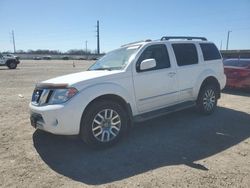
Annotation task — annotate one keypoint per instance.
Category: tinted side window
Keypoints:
(186, 54)
(209, 51)
(159, 53)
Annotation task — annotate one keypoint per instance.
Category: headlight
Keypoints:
(62, 95)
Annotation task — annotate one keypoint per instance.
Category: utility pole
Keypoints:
(221, 45)
(13, 40)
(86, 46)
(98, 38)
(228, 35)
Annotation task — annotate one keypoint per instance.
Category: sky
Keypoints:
(67, 24)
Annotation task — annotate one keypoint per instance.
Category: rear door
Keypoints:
(157, 87)
(188, 68)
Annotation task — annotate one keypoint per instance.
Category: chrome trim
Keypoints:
(158, 96)
(44, 96)
(147, 98)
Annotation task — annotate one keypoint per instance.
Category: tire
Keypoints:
(104, 123)
(207, 99)
(12, 64)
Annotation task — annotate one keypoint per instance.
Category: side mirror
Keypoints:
(147, 64)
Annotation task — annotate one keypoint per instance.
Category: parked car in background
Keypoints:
(92, 58)
(82, 58)
(9, 60)
(65, 58)
(237, 72)
(37, 58)
(47, 57)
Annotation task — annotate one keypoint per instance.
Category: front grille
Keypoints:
(41, 96)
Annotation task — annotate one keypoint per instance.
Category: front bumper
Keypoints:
(56, 119)
(36, 120)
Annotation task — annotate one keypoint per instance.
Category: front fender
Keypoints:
(91, 92)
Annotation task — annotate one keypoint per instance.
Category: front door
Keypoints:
(156, 87)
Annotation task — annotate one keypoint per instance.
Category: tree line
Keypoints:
(54, 52)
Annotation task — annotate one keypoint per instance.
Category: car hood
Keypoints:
(75, 78)
(6, 57)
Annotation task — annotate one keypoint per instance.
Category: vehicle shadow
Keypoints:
(180, 138)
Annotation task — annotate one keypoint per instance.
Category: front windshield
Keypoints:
(115, 60)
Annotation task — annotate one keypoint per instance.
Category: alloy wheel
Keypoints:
(106, 125)
(209, 99)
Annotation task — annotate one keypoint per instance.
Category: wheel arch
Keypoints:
(111, 97)
(211, 80)
(8, 61)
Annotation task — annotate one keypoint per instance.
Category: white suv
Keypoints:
(9, 60)
(136, 82)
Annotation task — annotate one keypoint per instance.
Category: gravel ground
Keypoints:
(183, 149)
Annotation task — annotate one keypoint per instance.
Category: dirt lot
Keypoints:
(183, 149)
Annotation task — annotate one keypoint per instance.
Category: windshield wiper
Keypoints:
(102, 68)
(107, 68)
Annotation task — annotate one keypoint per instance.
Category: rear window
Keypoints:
(210, 51)
(237, 62)
(185, 53)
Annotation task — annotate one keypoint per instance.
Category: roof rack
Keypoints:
(148, 40)
(183, 37)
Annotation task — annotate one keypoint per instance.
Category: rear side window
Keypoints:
(159, 53)
(185, 53)
(209, 51)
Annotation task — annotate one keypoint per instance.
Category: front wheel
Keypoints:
(207, 100)
(104, 123)
(12, 65)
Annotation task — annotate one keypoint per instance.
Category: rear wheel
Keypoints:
(207, 100)
(12, 64)
(104, 123)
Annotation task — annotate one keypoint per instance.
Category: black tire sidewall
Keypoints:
(200, 104)
(86, 123)
(12, 64)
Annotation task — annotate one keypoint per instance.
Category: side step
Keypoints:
(164, 111)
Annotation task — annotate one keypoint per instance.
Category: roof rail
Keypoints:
(148, 40)
(183, 37)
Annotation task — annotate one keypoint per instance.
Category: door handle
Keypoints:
(171, 74)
